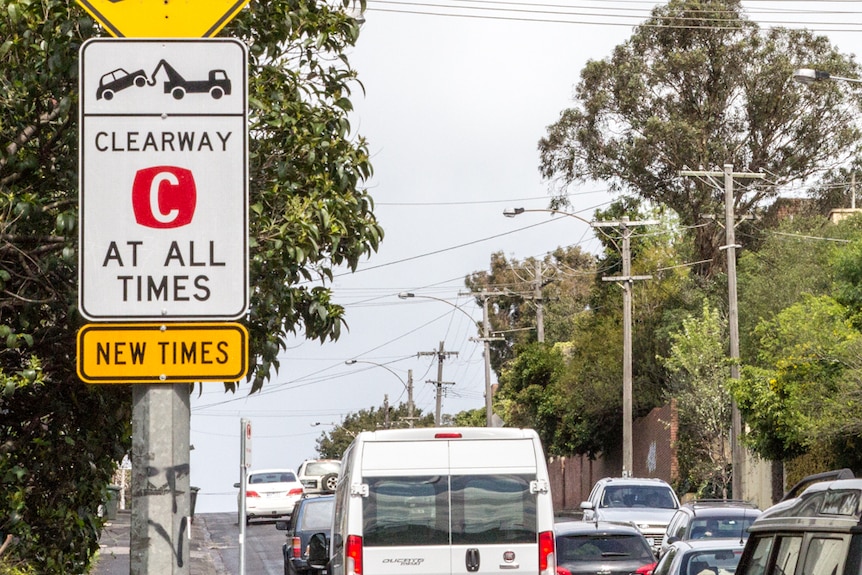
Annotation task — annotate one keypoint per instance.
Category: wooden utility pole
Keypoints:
(738, 453)
(626, 280)
(441, 355)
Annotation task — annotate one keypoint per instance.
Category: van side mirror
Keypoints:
(282, 525)
(586, 504)
(318, 551)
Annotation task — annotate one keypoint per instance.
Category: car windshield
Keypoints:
(718, 562)
(723, 527)
(317, 515)
(322, 467)
(272, 477)
(580, 548)
(638, 496)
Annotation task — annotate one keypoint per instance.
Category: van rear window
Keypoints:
(415, 510)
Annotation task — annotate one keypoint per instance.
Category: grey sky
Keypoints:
(453, 110)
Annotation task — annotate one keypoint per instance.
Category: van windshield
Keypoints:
(415, 510)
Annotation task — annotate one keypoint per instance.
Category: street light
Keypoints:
(408, 385)
(486, 339)
(808, 76)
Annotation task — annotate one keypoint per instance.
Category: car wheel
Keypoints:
(329, 482)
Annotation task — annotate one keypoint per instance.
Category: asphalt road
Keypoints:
(263, 555)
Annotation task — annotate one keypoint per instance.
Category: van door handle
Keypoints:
(472, 560)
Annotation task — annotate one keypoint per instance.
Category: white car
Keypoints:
(648, 503)
(270, 493)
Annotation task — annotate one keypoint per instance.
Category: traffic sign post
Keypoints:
(163, 238)
(165, 19)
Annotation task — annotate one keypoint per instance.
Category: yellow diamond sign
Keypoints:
(163, 18)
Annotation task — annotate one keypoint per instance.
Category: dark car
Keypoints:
(605, 548)
(117, 80)
(311, 514)
(709, 519)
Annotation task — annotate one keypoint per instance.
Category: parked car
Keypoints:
(319, 475)
(817, 533)
(311, 514)
(710, 518)
(701, 557)
(270, 493)
(602, 548)
(649, 503)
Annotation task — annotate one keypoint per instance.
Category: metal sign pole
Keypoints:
(244, 464)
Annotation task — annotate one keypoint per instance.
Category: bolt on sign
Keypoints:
(163, 18)
(162, 352)
(163, 180)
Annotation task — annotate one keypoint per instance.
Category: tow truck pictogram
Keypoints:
(217, 85)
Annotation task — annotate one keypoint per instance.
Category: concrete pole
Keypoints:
(627, 349)
(439, 387)
(537, 296)
(160, 522)
(737, 451)
(410, 396)
(386, 423)
(486, 334)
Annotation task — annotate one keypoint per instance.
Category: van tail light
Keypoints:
(547, 559)
(252, 494)
(447, 435)
(354, 555)
(645, 569)
(295, 491)
(296, 547)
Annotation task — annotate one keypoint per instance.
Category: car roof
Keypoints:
(711, 543)
(281, 470)
(699, 504)
(594, 527)
(724, 511)
(634, 481)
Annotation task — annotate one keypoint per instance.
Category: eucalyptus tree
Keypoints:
(699, 85)
(60, 439)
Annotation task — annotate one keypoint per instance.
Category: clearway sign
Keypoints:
(163, 180)
(163, 18)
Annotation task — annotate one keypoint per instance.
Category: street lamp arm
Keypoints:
(512, 212)
(390, 370)
(410, 295)
(808, 76)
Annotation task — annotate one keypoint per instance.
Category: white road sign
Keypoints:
(163, 180)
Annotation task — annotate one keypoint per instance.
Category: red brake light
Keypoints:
(296, 545)
(354, 554)
(563, 571)
(447, 436)
(252, 494)
(646, 569)
(547, 561)
(296, 491)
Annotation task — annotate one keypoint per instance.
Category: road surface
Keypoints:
(263, 555)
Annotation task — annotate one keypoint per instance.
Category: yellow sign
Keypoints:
(162, 352)
(163, 18)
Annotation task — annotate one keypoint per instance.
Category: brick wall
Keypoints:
(654, 455)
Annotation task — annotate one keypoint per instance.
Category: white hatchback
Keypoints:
(270, 493)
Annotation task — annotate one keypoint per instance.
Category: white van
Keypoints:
(441, 501)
